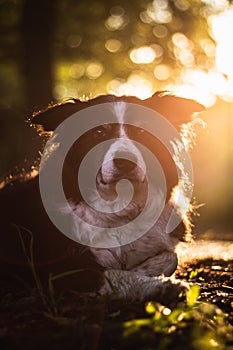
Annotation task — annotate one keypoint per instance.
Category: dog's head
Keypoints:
(122, 159)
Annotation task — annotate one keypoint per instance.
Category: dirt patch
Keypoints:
(204, 320)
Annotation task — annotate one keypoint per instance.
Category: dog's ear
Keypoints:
(176, 109)
(48, 119)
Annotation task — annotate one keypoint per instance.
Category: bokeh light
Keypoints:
(76, 71)
(162, 72)
(94, 70)
(134, 48)
(113, 45)
(117, 19)
(144, 54)
(135, 85)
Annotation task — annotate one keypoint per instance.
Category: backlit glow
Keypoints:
(203, 76)
(222, 29)
(144, 54)
(201, 85)
(135, 86)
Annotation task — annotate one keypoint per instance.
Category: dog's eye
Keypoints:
(140, 131)
(105, 131)
(100, 131)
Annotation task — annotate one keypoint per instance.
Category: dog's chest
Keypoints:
(132, 255)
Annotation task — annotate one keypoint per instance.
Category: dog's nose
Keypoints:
(125, 161)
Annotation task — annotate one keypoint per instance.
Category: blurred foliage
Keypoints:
(92, 43)
(206, 325)
(119, 46)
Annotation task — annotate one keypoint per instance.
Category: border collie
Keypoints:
(137, 269)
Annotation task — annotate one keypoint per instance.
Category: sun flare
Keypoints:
(222, 29)
(202, 85)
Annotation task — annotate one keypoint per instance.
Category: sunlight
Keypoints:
(201, 86)
(205, 86)
(222, 29)
(203, 77)
(135, 85)
(205, 249)
(142, 55)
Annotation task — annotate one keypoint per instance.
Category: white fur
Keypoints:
(131, 151)
(89, 224)
(120, 109)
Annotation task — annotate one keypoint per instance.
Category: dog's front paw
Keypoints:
(131, 286)
(171, 290)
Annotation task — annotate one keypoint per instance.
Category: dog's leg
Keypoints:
(164, 263)
(127, 285)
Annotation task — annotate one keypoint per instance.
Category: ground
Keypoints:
(203, 319)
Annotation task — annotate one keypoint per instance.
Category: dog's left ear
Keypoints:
(176, 109)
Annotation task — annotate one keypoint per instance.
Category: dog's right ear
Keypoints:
(48, 119)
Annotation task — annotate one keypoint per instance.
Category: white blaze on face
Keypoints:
(123, 146)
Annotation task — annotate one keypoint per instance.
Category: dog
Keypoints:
(138, 269)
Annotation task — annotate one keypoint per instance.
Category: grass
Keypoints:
(202, 319)
(202, 325)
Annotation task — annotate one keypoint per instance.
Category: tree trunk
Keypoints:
(37, 37)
